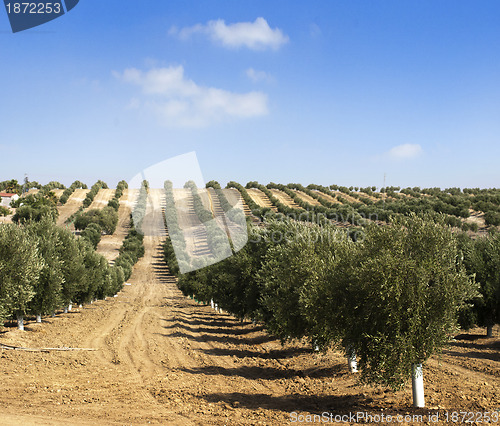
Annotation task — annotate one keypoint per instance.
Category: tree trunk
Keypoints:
(212, 303)
(38, 317)
(80, 306)
(20, 322)
(70, 306)
(352, 362)
(65, 309)
(53, 314)
(351, 359)
(417, 384)
(489, 331)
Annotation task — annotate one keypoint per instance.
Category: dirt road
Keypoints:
(163, 359)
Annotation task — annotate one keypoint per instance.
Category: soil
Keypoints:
(284, 198)
(162, 358)
(109, 245)
(71, 206)
(307, 198)
(261, 199)
(101, 198)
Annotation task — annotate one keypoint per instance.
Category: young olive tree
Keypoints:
(20, 267)
(407, 286)
(48, 287)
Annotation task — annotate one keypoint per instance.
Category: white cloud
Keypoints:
(257, 35)
(179, 101)
(405, 151)
(257, 76)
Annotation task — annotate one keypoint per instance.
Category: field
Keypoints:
(159, 357)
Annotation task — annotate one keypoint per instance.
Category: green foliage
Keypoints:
(482, 258)
(92, 233)
(106, 218)
(393, 296)
(35, 207)
(406, 288)
(68, 191)
(48, 287)
(174, 249)
(141, 205)
(131, 251)
(492, 218)
(11, 186)
(93, 192)
(252, 205)
(115, 201)
(20, 268)
(4, 211)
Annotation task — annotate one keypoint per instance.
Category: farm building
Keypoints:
(6, 198)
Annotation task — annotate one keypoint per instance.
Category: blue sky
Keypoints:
(287, 91)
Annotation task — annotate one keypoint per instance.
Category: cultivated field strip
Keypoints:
(307, 198)
(261, 199)
(109, 245)
(72, 205)
(194, 231)
(234, 197)
(285, 198)
(102, 198)
(330, 198)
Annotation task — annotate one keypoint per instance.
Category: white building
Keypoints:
(6, 198)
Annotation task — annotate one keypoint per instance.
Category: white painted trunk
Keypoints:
(38, 318)
(212, 303)
(65, 309)
(70, 306)
(417, 384)
(20, 322)
(80, 306)
(353, 363)
(53, 314)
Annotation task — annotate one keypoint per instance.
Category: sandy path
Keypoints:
(109, 245)
(72, 205)
(101, 198)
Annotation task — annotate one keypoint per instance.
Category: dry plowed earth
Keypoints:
(72, 205)
(163, 359)
(109, 245)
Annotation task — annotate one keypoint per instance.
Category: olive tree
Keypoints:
(20, 267)
(407, 286)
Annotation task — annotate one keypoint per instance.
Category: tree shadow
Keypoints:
(335, 404)
(270, 373)
(245, 353)
(473, 354)
(258, 340)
